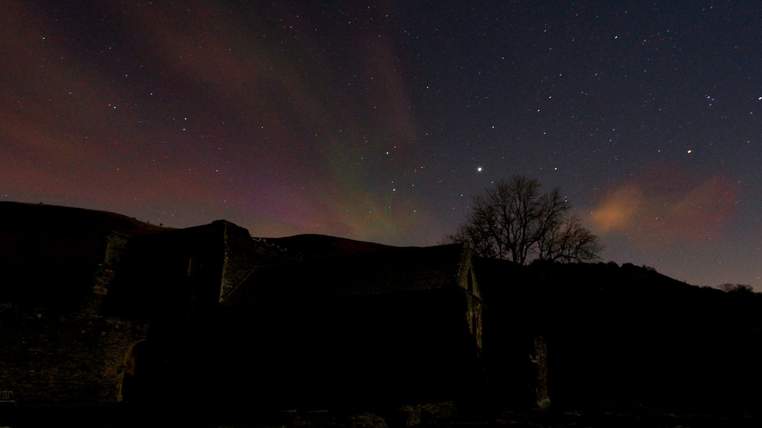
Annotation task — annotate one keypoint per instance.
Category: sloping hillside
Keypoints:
(312, 246)
(622, 336)
(48, 254)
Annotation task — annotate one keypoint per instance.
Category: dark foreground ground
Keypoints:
(427, 415)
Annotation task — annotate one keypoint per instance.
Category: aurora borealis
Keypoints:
(380, 120)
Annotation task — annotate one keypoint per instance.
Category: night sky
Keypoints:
(380, 121)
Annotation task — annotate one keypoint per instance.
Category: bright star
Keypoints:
(479, 169)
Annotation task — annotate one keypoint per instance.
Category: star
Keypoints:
(479, 169)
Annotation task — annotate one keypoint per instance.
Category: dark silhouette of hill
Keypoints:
(312, 246)
(622, 336)
(48, 254)
(307, 312)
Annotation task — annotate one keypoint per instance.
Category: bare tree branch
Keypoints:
(516, 221)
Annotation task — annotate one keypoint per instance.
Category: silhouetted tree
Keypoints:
(516, 221)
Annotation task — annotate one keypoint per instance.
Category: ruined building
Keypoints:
(100, 308)
(171, 314)
(56, 343)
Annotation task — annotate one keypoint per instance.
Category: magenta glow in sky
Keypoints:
(380, 121)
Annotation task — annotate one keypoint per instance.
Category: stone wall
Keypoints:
(240, 258)
(52, 354)
(474, 310)
(48, 358)
(242, 254)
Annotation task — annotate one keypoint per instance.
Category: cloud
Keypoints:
(206, 113)
(618, 209)
(665, 208)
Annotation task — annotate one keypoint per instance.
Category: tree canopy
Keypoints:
(515, 220)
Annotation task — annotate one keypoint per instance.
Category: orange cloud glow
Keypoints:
(617, 210)
(666, 209)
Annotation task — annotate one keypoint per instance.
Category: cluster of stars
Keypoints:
(287, 113)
